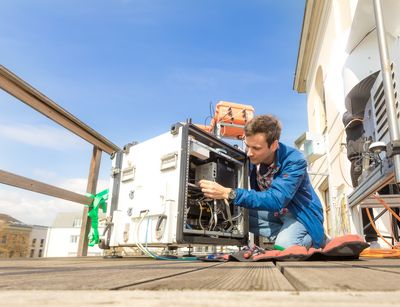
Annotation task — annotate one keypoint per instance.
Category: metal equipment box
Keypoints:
(155, 199)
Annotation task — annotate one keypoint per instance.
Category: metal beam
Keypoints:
(21, 90)
(377, 179)
(392, 200)
(43, 188)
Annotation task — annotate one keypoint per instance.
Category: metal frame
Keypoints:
(24, 92)
(393, 201)
(183, 235)
(394, 129)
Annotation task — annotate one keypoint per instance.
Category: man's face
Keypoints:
(257, 149)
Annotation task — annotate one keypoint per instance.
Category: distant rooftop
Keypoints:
(66, 220)
(5, 218)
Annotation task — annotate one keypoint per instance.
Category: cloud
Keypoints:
(215, 78)
(42, 136)
(37, 209)
(33, 209)
(78, 185)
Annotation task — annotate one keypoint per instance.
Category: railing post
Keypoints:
(91, 188)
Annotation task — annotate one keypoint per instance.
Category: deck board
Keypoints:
(148, 274)
(231, 276)
(341, 276)
(101, 274)
(384, 265)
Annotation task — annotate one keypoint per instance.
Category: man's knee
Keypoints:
(283, 240)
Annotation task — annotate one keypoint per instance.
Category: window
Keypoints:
(325, 199)
(74, 239)
(33, 242)
(31, 253)
(41, 242)
(77, 222)
(40, 253)
(4, 239)
(327, 210)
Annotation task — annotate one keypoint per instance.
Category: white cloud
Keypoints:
(41, 136)
(31, 209)
(38, 209)
(211, 77)
(78, 185)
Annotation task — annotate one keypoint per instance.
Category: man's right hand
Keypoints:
(214, 190)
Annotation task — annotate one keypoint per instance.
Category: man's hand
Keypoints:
(214, 190)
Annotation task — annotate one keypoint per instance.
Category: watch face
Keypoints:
(232, 194)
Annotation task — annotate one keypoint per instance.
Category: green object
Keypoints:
(280, 248)
(99, 200)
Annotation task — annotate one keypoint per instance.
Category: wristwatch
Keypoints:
(232, 195)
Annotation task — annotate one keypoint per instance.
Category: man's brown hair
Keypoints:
(269, 125)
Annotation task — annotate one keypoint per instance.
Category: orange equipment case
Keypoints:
(232, 117)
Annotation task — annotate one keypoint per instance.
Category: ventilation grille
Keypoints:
(379, 107)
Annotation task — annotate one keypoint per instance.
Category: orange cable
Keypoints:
(380, 199)
(376, 229)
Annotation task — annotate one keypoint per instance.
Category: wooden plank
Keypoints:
(21, 90)
(384, 265)
(35, 298)
(96, 275)
(91, 188)
(79, 262)
(40, 187)
(231, 276)
(337, 276)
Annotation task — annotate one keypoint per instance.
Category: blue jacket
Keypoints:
(290, 188)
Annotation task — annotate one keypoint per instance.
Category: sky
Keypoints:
(131, 68)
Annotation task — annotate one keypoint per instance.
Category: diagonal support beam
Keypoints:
(43, 188)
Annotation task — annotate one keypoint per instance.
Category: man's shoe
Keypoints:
(374, 245)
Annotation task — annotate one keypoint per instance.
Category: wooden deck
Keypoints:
(189, 278)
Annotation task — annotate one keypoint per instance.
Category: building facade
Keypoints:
(14, 237)
(63, 236)
(338, 67)
(37, 241)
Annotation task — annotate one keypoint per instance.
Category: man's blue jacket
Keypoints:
(291, 188)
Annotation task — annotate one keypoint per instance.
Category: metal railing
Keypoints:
(24, 92)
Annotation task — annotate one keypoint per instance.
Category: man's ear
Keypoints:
(274, 146)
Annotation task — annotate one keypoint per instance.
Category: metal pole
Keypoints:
(387, 84)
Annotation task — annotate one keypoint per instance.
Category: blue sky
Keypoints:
(129, 69)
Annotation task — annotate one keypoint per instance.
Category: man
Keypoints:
(282, 203)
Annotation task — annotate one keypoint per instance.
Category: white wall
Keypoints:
(334, 70)
(63, 242)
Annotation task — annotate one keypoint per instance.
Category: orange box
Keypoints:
(230, 113)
